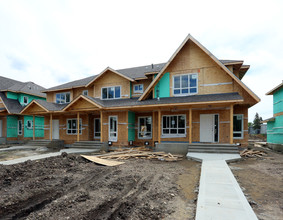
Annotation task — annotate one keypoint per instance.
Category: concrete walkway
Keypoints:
(41, 156)
(220, 196)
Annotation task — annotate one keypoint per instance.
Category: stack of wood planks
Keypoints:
(252, 153)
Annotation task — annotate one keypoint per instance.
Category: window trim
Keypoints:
(65, 97)
(31, 123)
(114, 92)
(139, 127)
(242, 128)
(20, 133)
(85, 91)
(81, 127)
(25, 103)
(184, 94)
(138, 91)
(174, 135)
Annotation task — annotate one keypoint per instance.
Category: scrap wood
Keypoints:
(252, 153)
(98, 160)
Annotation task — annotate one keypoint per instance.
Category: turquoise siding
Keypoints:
(278, 101)
(162, 89)
(12, 95)
(39, 127)
(12, 126)
(20, 97)
(131, 126)
(275, 130)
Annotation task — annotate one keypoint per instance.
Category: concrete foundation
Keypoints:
(3, 140)
(275, 147)
(173, 148)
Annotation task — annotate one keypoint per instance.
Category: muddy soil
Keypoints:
(70, 187)
(261, 179)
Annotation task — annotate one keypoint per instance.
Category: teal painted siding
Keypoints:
(12, 95)
(131, 126)
(20, 97)
(278, 101)
(162, 89)
(275, 130)
(39, 127)
(12, 126)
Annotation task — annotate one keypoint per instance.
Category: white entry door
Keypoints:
(113, 128)
(55, 129)
(0, 128)
(206, 128)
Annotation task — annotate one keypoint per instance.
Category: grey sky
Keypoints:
(52, 42)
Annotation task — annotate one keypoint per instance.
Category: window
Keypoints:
(138, 88)
(111, 92)
(85, 92)
(25, 100)
(97, 128)
(145, 127)
(185, 84)
(238, 126)
(72, 126)
(29, 124)
(62, 98)
(174, 125)
(20, 128)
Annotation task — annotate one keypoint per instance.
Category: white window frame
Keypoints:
(139, 131)
(31, 124)
(64, 101)
(242, 129)
(174, 135)
(189, 87)
(85, 92)
(20, 128)
(25, 102)
(80, 126)
(138, 90)
(117, 129)
(114, 92)
(94, 133)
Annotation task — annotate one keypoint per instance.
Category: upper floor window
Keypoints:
(138, 88)
(62, 98)
(113, 92)
(185, 84)
(25, 100)
(85, 92)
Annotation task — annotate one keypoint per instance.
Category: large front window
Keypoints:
(185, 84)
(113, 92)
(62, 98)
(72, 126)
(145, 127)
(238, 126)
(174, 125)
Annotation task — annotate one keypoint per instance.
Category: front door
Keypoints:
(0, 128)
(113, 128)
(55, 129)
(96, 128)
(209, 128)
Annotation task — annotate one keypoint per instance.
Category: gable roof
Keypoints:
(11, 85)
(222, 66)
(12, 106)
(86, 98)
(46, 106)
(275, 89)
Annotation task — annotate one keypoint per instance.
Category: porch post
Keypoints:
(78, 126)
(231, 123)
(50, 123)
(33, 127)
(159, 126)
(190, 126)
(101, 126)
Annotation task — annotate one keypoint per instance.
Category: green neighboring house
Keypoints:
(275, 124)
(14, 96)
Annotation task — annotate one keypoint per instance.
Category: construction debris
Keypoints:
(252, 153)
(97, 160)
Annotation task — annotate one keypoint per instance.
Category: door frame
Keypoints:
(112, 139)
(54, 130)
(213, 127)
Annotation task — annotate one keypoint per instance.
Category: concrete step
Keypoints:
(223, 151)
(213, 148)
(87, 144)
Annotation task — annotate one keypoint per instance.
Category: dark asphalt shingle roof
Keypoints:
(169, 100)
(13, 105)
(51, 106)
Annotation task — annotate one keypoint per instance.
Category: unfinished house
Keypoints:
(14, 96)
(192, 98)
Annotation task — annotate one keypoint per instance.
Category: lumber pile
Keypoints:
(252, 153)
(141, 154)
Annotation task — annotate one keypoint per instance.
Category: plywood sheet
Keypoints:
(95, 159)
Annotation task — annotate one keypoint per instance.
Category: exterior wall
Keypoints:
(161, 89)
(145, 83)
(4, 125)
(39, 127)
(278, 101)
(12, 126)
(275, 130)
(20, 97)
(131, 126)
(51, 96)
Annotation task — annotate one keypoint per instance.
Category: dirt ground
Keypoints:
(70, 187)
(261, 179)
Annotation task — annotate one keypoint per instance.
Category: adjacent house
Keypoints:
(193, 97)
(275, 124)
(14, 96)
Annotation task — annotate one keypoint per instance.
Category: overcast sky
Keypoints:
(53, 42)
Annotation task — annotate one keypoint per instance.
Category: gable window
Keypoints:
(185, 84)
(145, 128)
(25, 100)
(174, 125)
(62, 98)
(29, 124)
(72, 126)
(20, 128)
(85, 92)
(238, 126)
(113, 92)
(138, 88)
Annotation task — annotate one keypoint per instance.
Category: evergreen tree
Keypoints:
(257, 122)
